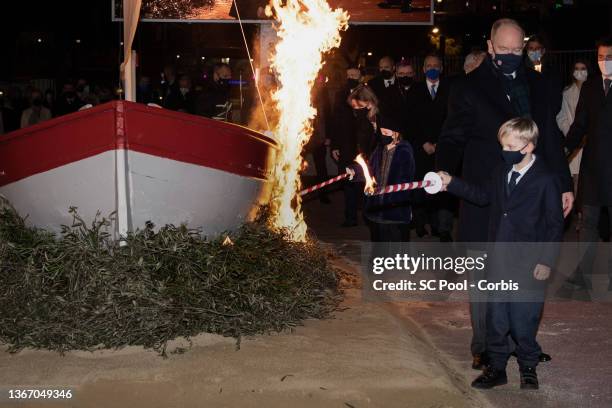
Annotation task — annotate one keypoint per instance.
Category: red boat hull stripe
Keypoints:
(118, 125)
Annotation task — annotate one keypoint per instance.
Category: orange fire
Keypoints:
(370, 185)
(306, 29)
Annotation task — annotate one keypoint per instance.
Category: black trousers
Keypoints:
(353, 199)
(521, 321)
(389, 232)
(319, 156)
(433, 210)
(588, 245)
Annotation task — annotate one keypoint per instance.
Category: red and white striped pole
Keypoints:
(432, 183)
(323, 184)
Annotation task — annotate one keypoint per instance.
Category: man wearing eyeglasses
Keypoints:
(594, 118)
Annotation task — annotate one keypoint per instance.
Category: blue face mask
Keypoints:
(432, 74)
(513, 157)
(534, 55)
(507, 63)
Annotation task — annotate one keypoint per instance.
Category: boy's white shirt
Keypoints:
(521, 171)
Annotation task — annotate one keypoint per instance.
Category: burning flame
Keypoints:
(227, 241)
(370, 185)
(306, 30)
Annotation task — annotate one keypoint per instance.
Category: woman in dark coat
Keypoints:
(391, 162)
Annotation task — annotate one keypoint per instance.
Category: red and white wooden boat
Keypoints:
(144, 163)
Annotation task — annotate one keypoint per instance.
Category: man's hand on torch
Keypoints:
(350, 172)
(446, 179)
(335, 154)
(541, 272)
(429, 148)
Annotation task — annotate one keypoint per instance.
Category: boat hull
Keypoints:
(141, 163)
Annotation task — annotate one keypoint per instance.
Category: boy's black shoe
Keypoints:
(479, 361)
(543, 357)
(529, 379)
(490, 378)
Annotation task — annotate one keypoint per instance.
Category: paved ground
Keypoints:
(576, 333)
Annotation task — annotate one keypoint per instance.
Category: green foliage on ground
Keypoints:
(83, 291)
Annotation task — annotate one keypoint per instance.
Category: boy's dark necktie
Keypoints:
(607, 83)
(512, 184)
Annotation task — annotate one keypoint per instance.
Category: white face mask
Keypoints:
(580, 75)
(606, 67)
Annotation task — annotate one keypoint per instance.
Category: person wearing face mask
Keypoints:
(387, 89)
(426, 116)
(536, 58)
(360, 136)
(522, 195)
(391, 162)
(594, 118)
(565, 117)
(214, 101)
(144, 93)
(341, 122)
(405, 75)
(344, 146)
(183, 98)
(37, 112)
(69, 101)
(501, 88)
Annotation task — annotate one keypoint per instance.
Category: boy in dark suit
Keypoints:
(523, 196)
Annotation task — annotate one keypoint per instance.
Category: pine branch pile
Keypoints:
(83, 291)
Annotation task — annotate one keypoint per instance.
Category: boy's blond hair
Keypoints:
(524, 129)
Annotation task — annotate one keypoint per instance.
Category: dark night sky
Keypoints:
(59, 24)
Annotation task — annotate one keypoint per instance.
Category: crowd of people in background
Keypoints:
(20, 109)
(23, 107)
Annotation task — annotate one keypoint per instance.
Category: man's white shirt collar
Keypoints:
(429, 84)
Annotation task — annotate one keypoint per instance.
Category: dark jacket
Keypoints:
(67, 105)
(552, 76)
(394, 207)
(179, 102)
(213, 101)
(342, 125)
(10, 120)
(593, 120)
(390, 100)
(477, 107)
(352, 134)
(425, 124)
(531, 214)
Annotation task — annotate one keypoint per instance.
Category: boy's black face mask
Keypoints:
(513, 157)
